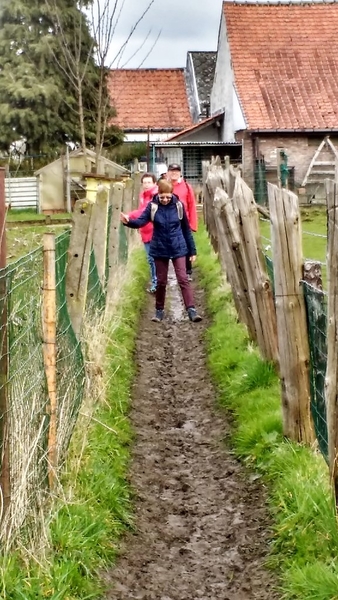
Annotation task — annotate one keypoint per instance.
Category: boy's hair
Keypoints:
(153, 177)
(164, 186)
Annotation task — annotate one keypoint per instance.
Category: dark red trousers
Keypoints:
(162, 266)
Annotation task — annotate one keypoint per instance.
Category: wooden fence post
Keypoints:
(127, 205)
(294, 353)
(136, 190)
(331, 378)
(49, 348)
(100, 231)
(312, 273)
(214, 180)
(259, 285)
(5, 458)
(115, 201)
(80, 247)
(231, 255)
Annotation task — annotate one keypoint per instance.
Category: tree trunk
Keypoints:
(81, 115)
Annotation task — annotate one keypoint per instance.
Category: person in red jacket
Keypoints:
(149, 189)
(184, 191)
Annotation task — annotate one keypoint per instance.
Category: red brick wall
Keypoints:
(299, 148)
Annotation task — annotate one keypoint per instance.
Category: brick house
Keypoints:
(276, 80)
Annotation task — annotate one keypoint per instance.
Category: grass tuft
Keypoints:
(304, 539)
(96, 509)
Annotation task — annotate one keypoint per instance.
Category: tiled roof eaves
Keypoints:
(151, 129)
(178, 143)
(279, 2)
(301, 130)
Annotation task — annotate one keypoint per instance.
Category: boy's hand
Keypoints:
(192, 258)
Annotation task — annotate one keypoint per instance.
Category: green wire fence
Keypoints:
(24, 397)
(316, 312)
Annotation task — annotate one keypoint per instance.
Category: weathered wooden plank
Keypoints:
(115, 201)
(127, 204)
(100, 231)
(231, 255)
(259, 285)
(294, 354)
(49, 348)
(215, 179)
(80, 246)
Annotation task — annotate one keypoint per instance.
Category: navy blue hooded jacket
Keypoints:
(172, 236)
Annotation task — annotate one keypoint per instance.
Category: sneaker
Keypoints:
(152, 289)
(193, 315)
(159, 314)
(189, 276)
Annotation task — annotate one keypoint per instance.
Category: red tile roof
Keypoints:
(285, 63)
(155, 98)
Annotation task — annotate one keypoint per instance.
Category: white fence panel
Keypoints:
(22, 192)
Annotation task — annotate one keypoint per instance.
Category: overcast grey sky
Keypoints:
(185, 25)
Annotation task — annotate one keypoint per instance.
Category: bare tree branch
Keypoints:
(125, 43)
(103, 21)
(151, 49)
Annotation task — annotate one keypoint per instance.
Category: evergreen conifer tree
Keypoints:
(36, 99)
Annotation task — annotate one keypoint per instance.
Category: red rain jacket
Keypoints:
(145, 197)
(184, 191)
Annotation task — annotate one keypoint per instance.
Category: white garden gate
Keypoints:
(22, 192)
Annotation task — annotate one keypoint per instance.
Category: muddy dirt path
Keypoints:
(201, 525)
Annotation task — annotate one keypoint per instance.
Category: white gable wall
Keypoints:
(192, 89)
(223, 94)
(238, 117)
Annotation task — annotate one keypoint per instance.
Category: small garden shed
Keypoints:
(65, 177)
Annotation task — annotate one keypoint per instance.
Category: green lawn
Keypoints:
(28, 234)
(304, 534)
(24, 238)
(31, 215)
(313, 233)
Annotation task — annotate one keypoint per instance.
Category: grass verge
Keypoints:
(85, 528)
(30, 214)
(304, 545)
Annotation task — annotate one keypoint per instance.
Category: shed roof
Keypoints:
(197, 127)
(92, 156)
(154, 98)
(285, 63)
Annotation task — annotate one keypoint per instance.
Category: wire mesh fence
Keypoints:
(24, 398)
(302, 315)
(70, 368)
(316, 312)
(23, 391)
(316, 309)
